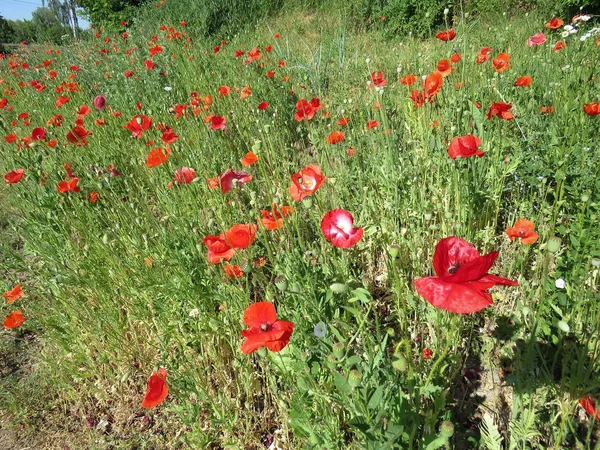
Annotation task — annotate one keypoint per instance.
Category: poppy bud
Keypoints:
(281, 283)
(553, 244)
(447, 429)
(428, 216)
(307, 202)
(354, 378)
(276, 200)
(564, 326)
(596, 262)
(585, 198)
(400, 363)
(245, 266)
(339, 349)
(391, 332)
(394, 250)
(339, 288)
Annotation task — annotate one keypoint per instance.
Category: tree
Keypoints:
(109, 13)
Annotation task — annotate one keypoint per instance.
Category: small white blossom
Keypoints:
(194, 312)
(560, 283)
(320, 330)
(168, 88)
(368, 60)
(568, 28)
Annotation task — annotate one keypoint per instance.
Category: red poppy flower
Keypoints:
(536, 39)
(547, 109)
(14, 320)
(264, 329)
(69, 186)
(523, 81)
(99, 102)
(306, 182)
(501, 62)
(418, 98)
(592, 109)
(343, 121)
(427, 353)
(559, 46)
(61, 101)
(218, 249)
(224, 91)
(217, 122)
(157, 156)
(168, 136)
(446, 35)
(213, 183)
(155, 50)
(465, 146)
(157, 389)
(455, 57)
(500, 109)
(555, 23)
(523, 230)
(231, 177)
(335, 137)
(377, 79)
(232, 271)
(589, 405)
(241, 235)
(13, 294)
(93, 197)
(272, 220)
(249, 159)
(461, 280)
(263, 105)
(408, 79)
(433, 84)
(38, 134)
(338, 227)
(372, 124)
(185, 175)
(14, 177)
(138, 124)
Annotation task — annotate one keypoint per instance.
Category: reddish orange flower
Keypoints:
(559, 46)
(433, 84)
(500, 109)
(377, 79)
(138, 124)
(224, 91)
(69, 186)
(589, 405)
(408, 79)
(372, 124)
(523, 230)
(427, 353)
(335, 137)
(306, 182)
(13, 294)
(93, 197)
(14, 320)
(592, 109)
(523, 81)
(157, 156)
(264, 329)
(61, 101)
(273, 220)
(446, 35)
(306, 110)
(501, 62)
(249, 159)
(185, 175)
(218, 249)
(213, 183)
(547, 109)
(455, 57)
(232, 271)
(465, 146)
(78, 136)
(14, 176)
(343, 121)
(157, 389)
(444, 68)
(241, 235)
(555, 23)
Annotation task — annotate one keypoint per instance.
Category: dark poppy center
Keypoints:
(265, 327)
(452, 270)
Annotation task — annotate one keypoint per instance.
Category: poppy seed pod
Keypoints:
(553, 244)
(307, 202)
(447, 429)
(339, 349)
(281, 283)
(400, 363)
(354, 378)
(331, 361)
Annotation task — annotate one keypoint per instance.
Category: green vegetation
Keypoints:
(117, 280)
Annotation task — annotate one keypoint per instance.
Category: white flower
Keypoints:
(573, 31)
(446, 11)
(194, 312)
(368, 60)
(564, 34)
(168, 88)
(560, 283)
(568, 28)
(399, 69)
(320, 330)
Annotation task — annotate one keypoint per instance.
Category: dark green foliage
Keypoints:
(109, 13)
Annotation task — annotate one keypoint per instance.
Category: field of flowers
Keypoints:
(303, 237)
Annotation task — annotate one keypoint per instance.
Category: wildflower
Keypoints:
(523, 229)
(427, 353)
(14, 320)
(78, 136)
(560, 283)
(157, 389)
(523, 81)
(306, 182)
(69, 185)
(408, 79)
(13, 294)
(14, 176)
(157, 156)
(218, 249)
(536, 39)
(446, 35)
(264, 329)
(378, 80)
(338, 228)
(372, 124)
(592, 109)
(241, 235)
(184, 175)
(231, 178)
(465, 146)
(500, 109)
(217, 122)
(249, 159)
(461, 280)
(335, 137)
(272, 220)
(232, 271)
(138, 124)
(501, 62)
(320, 330)
(589, 405)
(555, 24)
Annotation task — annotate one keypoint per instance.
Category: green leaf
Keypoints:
(342, 384)
(375, 399)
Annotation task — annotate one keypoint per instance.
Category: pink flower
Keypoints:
(338, 227)
(217, 123)
(100, 102)
(230, 176)
(184, 175)
(536, 39)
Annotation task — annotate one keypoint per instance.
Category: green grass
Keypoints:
(119, 287)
